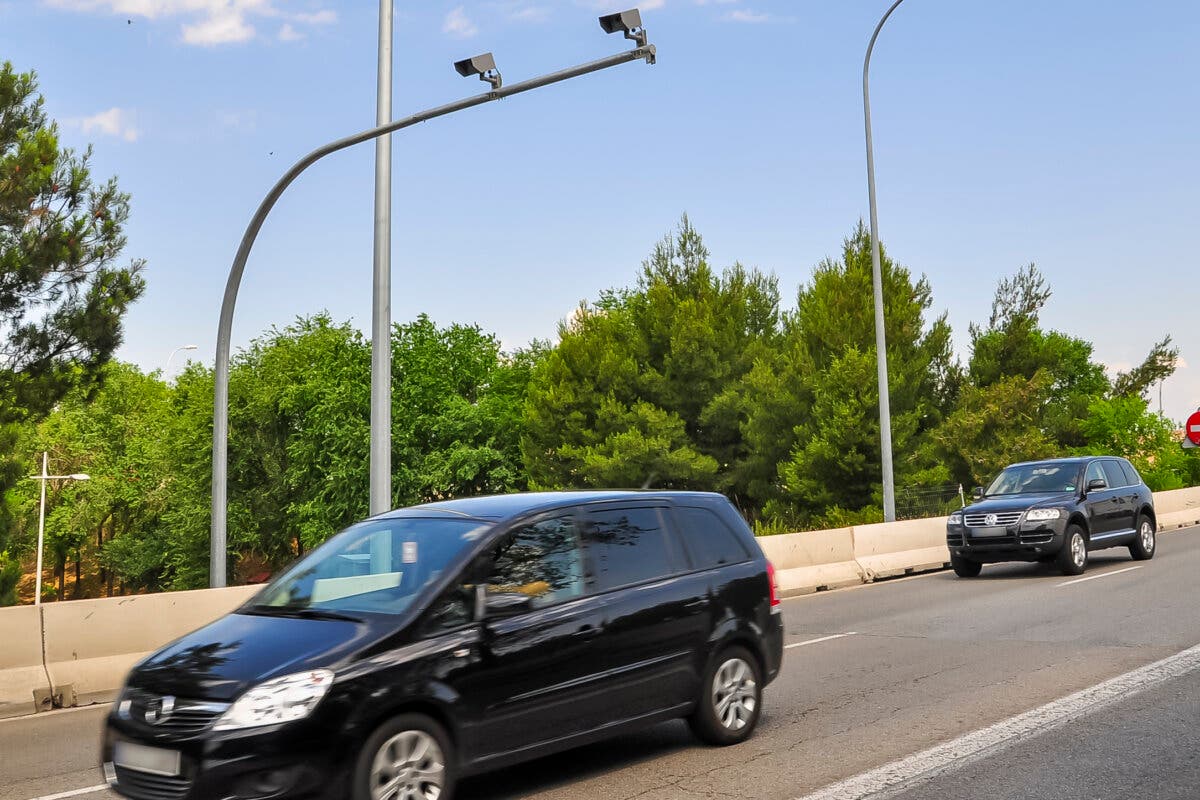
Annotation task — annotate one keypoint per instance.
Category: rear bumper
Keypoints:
(773, 644)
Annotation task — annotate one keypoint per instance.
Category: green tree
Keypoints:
(810, 412)
(62, 296)
(631, 393)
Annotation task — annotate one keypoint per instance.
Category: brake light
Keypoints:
(774, 588)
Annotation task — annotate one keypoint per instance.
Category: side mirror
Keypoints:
(977, 493)
(506, 604)
(1096, 485)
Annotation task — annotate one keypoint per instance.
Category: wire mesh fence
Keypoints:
(915, 502)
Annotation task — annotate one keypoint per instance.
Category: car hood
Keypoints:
(221, 660)
(1017, 502)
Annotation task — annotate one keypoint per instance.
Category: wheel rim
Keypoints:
(1078, 550)
(734, 694)
(1147, 537)
(408, 766)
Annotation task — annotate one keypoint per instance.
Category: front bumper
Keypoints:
(303, 760)
(1029, 541)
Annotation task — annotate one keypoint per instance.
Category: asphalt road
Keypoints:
(874, 675)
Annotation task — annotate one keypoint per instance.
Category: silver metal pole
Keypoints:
(37, 584)
(220, 465)
(381, 283)
(885, 411)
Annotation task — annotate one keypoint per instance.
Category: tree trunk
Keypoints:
(78, 573)
(100, 550)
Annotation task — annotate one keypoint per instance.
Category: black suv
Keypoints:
(1055, 510)
(447, 639)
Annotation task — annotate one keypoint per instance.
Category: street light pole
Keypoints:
(885, 411)
(45, 478)
(217, 541)
(381, 283)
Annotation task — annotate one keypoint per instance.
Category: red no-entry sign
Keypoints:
(1192, 429)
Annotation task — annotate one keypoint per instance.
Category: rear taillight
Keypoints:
(774, 588)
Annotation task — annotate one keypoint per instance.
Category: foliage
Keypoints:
(62, 296)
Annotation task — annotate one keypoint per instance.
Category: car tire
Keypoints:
(1073, 557)
(965, 567)
(1146, 541)
(410, 750)
(730, 700)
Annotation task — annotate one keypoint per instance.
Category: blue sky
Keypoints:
(1006, 132)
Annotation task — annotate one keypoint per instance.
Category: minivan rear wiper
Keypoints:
(302, 612)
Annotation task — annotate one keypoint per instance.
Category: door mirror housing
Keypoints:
(977, 493)
(506, 604)
(1096, 485)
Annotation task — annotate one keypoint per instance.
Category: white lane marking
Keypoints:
(906, 773)
(822, 639)
(73, 792)
(1094, 577)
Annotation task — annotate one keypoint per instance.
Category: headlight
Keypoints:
(279, 700)
(1042, 514)
(955, 519)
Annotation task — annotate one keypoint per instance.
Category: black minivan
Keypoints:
(443, 640)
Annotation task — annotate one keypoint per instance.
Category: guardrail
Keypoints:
(61, 654)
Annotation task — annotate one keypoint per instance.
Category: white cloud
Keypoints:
(746, 15)
(459, 24)
(116, 122)
(611, 6)
(289, 34)
(208, 22)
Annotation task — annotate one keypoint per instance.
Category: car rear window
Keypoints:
(1114, 474)
(627, 546)
(1131, 474)
(709, 540)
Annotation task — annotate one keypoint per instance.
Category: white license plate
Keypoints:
(138, 757)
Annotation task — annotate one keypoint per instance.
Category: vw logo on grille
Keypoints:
(160, 710)
(990, 520)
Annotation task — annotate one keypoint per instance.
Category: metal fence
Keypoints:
(915, 502)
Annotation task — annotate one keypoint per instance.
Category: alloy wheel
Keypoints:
(1147, 534)
(1078, 550)
(734, 694)
(408, 766)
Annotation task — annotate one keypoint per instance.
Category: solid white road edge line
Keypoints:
(822, 639)
(73, 792)
(1094, 577)
(55, 713)
(906, 773)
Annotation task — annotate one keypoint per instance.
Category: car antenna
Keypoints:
(649, 481)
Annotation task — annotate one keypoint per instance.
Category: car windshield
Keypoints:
(1036, 479)
(379, 566)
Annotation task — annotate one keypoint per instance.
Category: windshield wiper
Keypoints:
(300, 612)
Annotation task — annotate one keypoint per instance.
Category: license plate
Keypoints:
(983, 533)
(154, 760)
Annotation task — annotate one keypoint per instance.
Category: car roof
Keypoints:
(1070, 460)
(506, 506)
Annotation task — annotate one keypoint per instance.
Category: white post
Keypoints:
(37, 590)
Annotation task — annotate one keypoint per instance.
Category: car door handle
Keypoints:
(461, 652)
(587, 631)
(693, 606)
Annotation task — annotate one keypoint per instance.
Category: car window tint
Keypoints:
(542, 560)
(627, 546)
(1131, 474)
(1094, 472)
(1114, 474)
(709, 540)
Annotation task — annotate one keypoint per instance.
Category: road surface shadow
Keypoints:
(579, 764)
(1023, 570)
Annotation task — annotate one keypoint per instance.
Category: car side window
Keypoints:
(1095, 473)
(1131, 474)
(1114, 474)
(709, 540)
(542, 560)
(627, 546)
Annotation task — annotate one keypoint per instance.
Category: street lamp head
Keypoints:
(627, 22)
(80, 476)
(483, 65)
(189, 347)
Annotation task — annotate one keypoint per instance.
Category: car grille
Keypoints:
(187, 718)
(1002, 518)
(145, 786)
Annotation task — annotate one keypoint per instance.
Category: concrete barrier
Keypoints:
(91, 644)
(812, 561)
(887, 549)
(22, 674)
(1178, 504)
